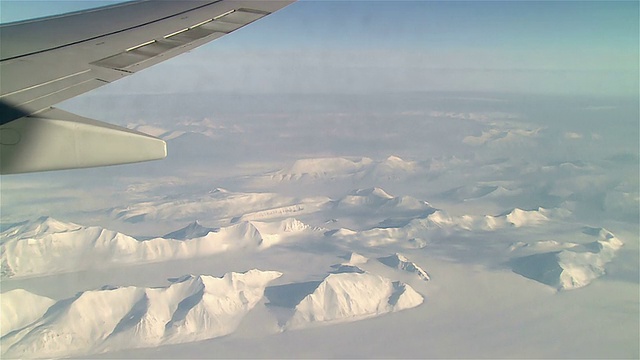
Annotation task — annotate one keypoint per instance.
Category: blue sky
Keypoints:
(424, 23)
(507, 45)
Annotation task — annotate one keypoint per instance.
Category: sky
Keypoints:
(542, 47)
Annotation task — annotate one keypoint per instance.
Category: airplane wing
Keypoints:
(48, 60)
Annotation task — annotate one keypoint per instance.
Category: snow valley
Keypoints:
(417, 226)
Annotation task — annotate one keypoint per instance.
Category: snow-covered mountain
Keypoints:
(278, 231)
(570, 268)
(323, 167)
(353, 258)
(19, 308)
(381, 201)
(43, 226)
(345, 268)
(218, 204)
(337, 168)
(542, 245)
(48, 246)
(374, 197)
(414, 231)
(514, 218)
(191, 308)
(479, 191)
(350, 296)
(399, 261)
(193, 230)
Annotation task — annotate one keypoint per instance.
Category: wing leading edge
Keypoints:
(46, 61)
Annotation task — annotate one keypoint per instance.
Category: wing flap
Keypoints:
(56, 139)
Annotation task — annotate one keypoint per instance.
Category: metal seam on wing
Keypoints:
(138, 54)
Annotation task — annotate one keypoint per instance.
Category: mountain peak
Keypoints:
(354, 258)
(400, 262)
(42, 226)
(519, 217)
(219, 190)
(181, 279)
(373, 192)
(193, 230)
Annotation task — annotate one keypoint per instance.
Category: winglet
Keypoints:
(56, 140)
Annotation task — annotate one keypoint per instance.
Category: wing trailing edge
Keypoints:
(55, 139)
